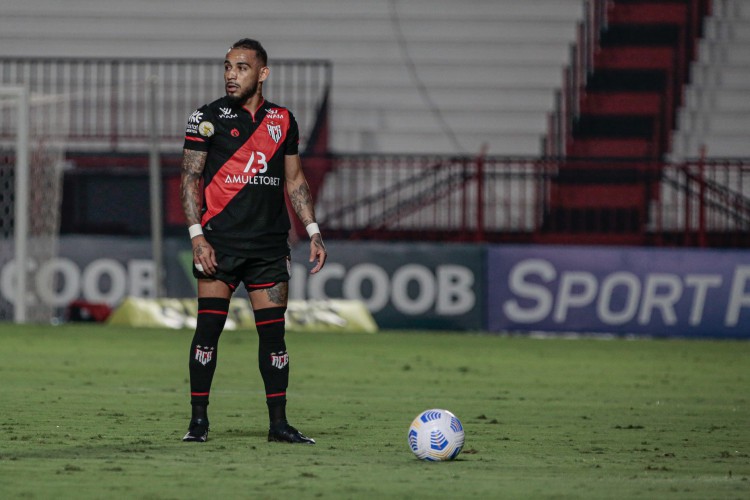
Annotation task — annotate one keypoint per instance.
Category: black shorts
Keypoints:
(256, 273)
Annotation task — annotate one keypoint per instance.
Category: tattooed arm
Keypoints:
(193, 163)
(302, 202)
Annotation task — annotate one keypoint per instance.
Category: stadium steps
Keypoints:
(627, 110)
(621, 103)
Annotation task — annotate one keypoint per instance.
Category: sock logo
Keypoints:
(279, 360)
(204, 355)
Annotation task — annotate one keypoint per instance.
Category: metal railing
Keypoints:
(476, 199)
(542, 200)
(107, 99)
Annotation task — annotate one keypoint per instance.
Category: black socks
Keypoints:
(212, 314)
(273, 360)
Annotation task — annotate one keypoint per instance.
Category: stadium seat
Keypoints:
(499, 62)
(716, 115)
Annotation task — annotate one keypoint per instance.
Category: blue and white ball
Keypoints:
(436, 435)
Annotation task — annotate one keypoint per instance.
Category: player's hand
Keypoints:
(317, 253)
(204, 257)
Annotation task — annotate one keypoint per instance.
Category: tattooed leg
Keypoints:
(269, 306)
(276, 296)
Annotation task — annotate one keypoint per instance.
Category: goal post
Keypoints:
(31, 158)
(18, 97)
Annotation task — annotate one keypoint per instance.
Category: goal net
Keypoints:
(31, 165)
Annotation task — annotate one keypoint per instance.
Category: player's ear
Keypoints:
(264, 72)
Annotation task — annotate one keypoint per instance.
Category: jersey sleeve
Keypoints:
(200, 128)
(291, 146)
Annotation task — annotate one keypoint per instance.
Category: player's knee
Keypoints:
(212, 315)
(270, 325)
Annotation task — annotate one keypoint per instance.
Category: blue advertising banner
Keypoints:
(657, 292)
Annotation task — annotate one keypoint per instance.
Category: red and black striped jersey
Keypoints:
(244, 211)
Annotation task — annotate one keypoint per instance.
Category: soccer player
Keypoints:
(240, 154)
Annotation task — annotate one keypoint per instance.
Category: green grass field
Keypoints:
(98, 412)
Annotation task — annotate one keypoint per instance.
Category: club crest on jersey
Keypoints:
(275, 132)
(204, 355)
(279, 360)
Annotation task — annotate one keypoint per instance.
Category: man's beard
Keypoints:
(238, 100)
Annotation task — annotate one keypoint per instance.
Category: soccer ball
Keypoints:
(436, 435)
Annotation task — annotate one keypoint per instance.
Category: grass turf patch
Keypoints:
(92, 411)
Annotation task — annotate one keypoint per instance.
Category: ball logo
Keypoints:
(430, 415)
(456, 425)
(413, 441)
(437, 440)
(235, 132)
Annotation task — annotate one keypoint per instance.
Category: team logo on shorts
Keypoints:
(206, 129)
(204, 355)
(275, 132)
(279, 360)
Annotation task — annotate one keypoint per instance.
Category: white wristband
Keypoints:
(195, 230)
(312, 228)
